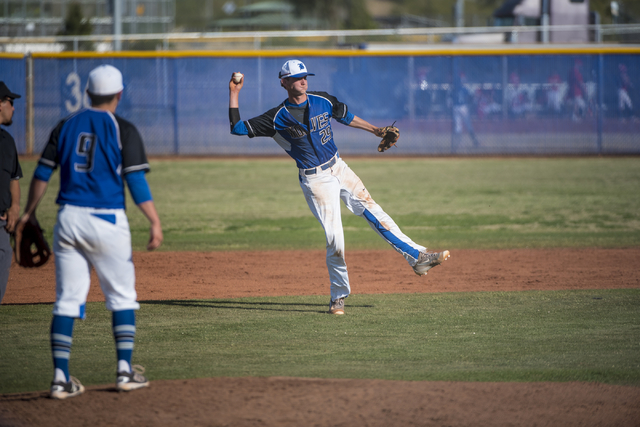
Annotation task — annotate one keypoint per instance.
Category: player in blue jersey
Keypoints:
(97, 152)
(301, 125)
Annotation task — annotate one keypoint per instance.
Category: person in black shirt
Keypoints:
(10, 173)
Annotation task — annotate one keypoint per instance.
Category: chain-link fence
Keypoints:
(478, 102)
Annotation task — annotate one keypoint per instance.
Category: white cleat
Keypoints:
(61, 390)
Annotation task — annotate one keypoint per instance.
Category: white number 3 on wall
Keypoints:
(79, 97)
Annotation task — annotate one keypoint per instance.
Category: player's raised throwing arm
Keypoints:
(234, 90)
(235, 85)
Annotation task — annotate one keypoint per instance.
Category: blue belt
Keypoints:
(323, 167)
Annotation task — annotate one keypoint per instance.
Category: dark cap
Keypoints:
(6, 93)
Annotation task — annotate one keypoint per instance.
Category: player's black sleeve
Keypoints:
(10, 162)
(339, 110)
(134, 157)
(50, 153)
(234, 117)
(262, 125)
(9, 168)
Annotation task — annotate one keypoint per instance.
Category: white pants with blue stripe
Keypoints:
(85, 237)
(323, 191)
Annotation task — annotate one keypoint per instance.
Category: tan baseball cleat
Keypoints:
(428, 260)
(337, 306)
(127, 381)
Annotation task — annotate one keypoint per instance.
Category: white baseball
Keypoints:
(237, 77)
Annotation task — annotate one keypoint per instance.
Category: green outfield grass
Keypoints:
(455, 203)
(483, 336)
(211, 204)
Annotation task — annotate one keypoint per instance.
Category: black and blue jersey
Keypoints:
(310, 141)
(94, 149)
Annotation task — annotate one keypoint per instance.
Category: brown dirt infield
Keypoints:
(337, 402)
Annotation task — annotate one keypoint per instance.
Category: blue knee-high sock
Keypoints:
(61, 338)
(124, 332)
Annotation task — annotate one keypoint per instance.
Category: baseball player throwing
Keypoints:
(97, 152)
(301, 125)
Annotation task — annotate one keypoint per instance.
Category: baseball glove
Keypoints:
(390, 135)
(29, 245)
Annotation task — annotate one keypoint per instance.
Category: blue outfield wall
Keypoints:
(479, 102)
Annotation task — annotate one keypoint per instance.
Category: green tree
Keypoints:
(358, 17)
(328, 11)
(629, 11)
(336, 14)
(196, 15)
(76, 25)
(476, 12)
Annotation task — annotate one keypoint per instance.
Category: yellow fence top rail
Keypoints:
(11, 55)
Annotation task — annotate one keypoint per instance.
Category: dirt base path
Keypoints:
(299, 402)
(311, 402)
(199, 275)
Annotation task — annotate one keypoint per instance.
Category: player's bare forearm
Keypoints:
(359, 123)
(233, 100)
(14, 210)
(36, 192)
(37, 189)
(148, 208)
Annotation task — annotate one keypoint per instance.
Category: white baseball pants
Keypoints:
(85, 237)
(323, 191)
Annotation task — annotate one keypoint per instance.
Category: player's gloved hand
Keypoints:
(390, 135)
(30, 247)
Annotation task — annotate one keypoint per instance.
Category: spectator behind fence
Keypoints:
(461, 117)
(423, 91)
(555, 95)
(486, 103)
(577, 91)
(517, 97)
(625, 93)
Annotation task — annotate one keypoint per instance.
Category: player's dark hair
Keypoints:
(100, 99)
